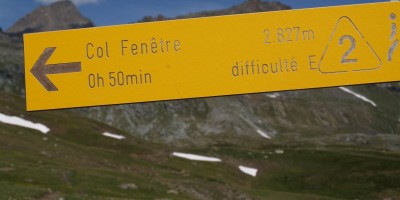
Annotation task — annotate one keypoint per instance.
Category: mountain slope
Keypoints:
(75, 161)
(57, 16)
(299, 114)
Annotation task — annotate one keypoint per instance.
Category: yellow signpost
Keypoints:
(215, 56)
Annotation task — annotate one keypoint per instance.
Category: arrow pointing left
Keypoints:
(40, 69)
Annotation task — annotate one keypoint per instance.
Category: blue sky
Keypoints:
(111, 12)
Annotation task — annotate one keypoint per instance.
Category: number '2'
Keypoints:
(345, 56)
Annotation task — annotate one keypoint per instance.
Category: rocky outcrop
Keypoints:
(57, 16)
(11, 64)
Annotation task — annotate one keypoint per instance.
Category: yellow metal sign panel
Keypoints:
(213, 56)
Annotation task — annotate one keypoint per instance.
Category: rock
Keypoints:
(46, 154)
(279, 151)
(28, 180)
(128, 186)
(7, 169)
(174, 192)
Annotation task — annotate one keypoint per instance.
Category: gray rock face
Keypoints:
(11, 64)
(297, 115)
(57, 16)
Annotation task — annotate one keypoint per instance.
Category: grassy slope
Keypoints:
(76, 162)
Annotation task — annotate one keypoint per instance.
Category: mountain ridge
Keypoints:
(60, 15)
(246, 7)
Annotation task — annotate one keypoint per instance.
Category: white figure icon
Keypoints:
(395, 42)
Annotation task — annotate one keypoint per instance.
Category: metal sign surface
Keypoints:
(214, 56)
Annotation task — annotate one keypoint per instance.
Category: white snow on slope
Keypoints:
(248, 170)
(115, 136)
(273, 95)
(259, 131)
(263, 134)
(358, 96)
(17, 121)
(196, 157)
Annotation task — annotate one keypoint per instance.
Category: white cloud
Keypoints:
(76, 2)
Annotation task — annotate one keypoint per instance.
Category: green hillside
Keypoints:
(74, 161)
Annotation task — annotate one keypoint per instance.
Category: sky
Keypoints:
(112, 12)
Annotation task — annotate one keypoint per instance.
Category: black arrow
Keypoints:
(40, 69)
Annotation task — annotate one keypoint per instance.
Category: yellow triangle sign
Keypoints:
(348, 50)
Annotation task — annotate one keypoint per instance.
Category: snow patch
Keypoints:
(17, 121)
(263, 134)
(196, 157)
(359, 96)
(115, 136)
(258, 130)
(248, 170)
(273, 95)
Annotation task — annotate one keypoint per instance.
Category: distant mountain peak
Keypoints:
(248, 6)
(56, 16)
